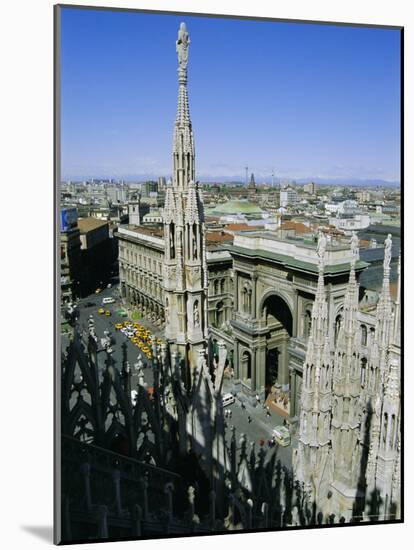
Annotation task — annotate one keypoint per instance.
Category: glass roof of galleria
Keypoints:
(234, 207)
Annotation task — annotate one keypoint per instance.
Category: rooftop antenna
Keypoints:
(247, 174)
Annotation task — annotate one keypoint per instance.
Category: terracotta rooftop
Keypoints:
(241, 227)
(89, 224)
(217, 237)
(147, 230)
(298, 227)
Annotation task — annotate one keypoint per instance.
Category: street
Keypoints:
(248, 420)
(104, 323)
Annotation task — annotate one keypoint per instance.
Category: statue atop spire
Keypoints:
(354, 248)
(387, 252)
(182, 44)
(321, 250)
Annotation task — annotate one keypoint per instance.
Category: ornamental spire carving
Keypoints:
(384, 312)
(312, 462)
(185, 265)
(183, 146)
(347, 334)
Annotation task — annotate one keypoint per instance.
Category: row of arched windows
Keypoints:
(367, 337)
(363, 332)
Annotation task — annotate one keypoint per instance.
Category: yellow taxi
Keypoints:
(101, 310)
(107, 313)
(159, 341)
(118, 326)
(98, 290)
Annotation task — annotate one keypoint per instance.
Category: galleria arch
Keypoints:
(273, 298)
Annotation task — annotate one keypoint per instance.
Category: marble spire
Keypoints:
(312, 461)
(183, 145)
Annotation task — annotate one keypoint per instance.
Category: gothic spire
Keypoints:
(183, 146)
(350, 324)
(317, 367)
(313, 459)
(384, 310)
(185, 265)
(319, 329)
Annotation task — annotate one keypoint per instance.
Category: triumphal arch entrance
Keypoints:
(275, 283)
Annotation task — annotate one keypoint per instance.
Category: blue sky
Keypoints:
(305, 100)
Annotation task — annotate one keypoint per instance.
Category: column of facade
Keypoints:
(284, 362)
(236, 291)
(254, 296)
(261, 369)
(292, 391)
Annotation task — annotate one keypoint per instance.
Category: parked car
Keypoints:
(228, 399)
(281, 435)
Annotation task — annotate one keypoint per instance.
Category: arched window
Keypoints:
(172, 242)
(247, 293)
(338, 324)
(364, 334)
(385, 430)
(219, 314)
(195, 251)
(363, 371)
(222, 285)
(216, 286)
(393, 425)
(327, 379)
(307, 324)
(371, 381)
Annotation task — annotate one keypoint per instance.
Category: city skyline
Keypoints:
(349, 113)
(262, 332)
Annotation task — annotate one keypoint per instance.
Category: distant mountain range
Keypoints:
(351, 181)
(354, 182)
